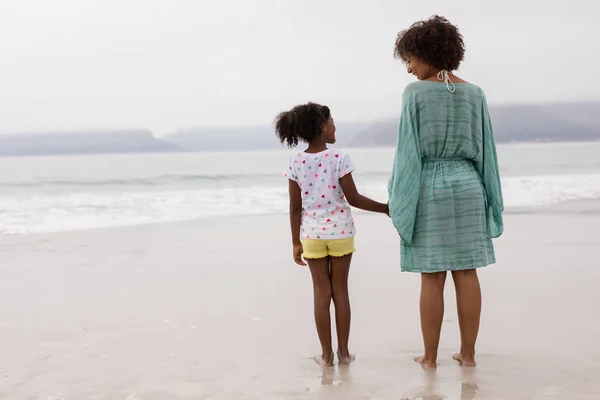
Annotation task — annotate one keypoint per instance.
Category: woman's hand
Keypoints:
(298, 250)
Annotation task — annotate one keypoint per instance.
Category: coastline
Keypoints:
(579, 206)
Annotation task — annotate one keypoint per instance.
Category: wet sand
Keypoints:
(217, 310)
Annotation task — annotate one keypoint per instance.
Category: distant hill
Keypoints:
(247, 138)
(83, 142)
(513, 123)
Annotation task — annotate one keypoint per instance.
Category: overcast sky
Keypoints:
(166, 64)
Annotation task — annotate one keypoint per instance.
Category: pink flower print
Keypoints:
(300, 184)
(299, 154)
(328, 186)
(308, 236)
(324, 228)
(320, 165)
(342, 211)
(343, 232)
(295, 161)
(342, 197)
(306, 193)
(303, 161)
(323, 196)
(316, 175)
(326, 154)
(333, 213)
(328, 220)
(319, 206)
(334, 187)
(337, 155)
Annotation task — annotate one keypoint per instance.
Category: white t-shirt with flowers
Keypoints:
(326, 213)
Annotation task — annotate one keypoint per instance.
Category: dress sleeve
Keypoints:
(405, 184)
(489, 172)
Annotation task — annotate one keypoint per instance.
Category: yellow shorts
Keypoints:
(315, 248)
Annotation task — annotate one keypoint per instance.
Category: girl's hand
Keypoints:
(298, 250)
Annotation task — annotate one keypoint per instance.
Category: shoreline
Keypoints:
(570, 207)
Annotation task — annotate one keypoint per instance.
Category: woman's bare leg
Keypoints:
(319, 270)
(432, 315)
(340, 268)
(468, 300)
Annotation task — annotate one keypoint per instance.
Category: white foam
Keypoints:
(76, 211)
(542, 190)
(530, 190)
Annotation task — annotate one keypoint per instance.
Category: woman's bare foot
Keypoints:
(345, 359)
(325, 360)
(464, 361)
(425, 362)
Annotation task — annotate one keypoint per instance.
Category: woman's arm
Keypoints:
(358, 200)
(295, 220)
(405, 184)
(489, 173)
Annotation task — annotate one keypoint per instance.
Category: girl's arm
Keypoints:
(295, 220)
(358, 200)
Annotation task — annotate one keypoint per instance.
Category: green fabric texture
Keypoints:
(445, 194)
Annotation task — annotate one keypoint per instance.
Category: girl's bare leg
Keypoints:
(340, 268)
(468, 300)
(319, 270)
(432, 315)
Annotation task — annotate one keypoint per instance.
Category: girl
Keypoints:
(321, 192)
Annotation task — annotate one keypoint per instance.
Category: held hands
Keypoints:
(298, 250)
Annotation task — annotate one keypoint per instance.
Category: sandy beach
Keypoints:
(217, 310)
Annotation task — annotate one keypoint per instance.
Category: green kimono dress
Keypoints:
(445, 195)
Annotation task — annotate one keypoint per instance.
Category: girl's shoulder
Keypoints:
(339, 155)
(337, 152)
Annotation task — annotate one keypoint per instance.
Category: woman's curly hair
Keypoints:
(303, 122)
(435, 41)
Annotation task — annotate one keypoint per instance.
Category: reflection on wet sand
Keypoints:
(430, 389)
(468, 387)
(331, 376)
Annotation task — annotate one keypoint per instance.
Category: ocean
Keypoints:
(66, 193)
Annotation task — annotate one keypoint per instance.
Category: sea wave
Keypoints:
(160, 180)
(88, 209)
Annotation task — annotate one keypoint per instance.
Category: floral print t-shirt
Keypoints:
(325, 211)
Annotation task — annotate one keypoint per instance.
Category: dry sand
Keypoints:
(218, 310)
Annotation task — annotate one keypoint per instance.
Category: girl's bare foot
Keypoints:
(425, 362)
(345, 359)
(464, 361)
(325, 360)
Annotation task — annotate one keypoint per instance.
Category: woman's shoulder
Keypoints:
(426, 86)
(337, 153)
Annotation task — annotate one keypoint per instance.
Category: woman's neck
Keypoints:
(434, 74)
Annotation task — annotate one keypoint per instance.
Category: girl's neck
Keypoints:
(316, 147)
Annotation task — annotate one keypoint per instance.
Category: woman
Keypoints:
(445, 195)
